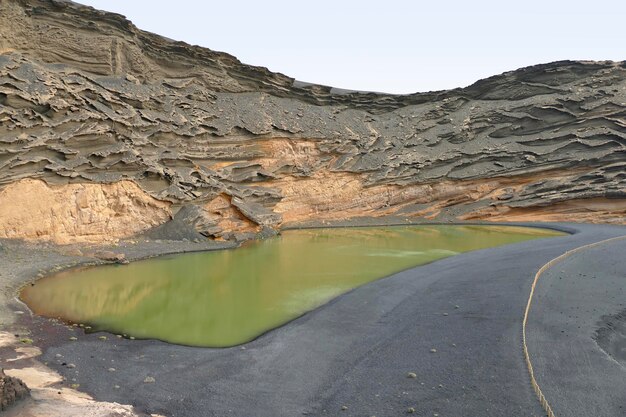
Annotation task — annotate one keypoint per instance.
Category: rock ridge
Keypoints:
(242, 149)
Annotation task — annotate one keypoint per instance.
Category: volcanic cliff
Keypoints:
(107, 131)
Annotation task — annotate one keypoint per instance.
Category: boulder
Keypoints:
(109, 256)
(12, 390)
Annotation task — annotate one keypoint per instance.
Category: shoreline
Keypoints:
(23, 275)
(17, 318)
(218, 246)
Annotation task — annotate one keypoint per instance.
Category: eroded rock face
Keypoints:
(86, 212)
(87, 98)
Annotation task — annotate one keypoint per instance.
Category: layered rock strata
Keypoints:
(145, 126)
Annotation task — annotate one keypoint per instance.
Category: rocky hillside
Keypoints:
(107, 131)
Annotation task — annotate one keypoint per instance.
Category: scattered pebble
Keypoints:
(457, 307)
(344, 407)
(102, 337)
(116, 386)
(445, 314)
(71, 365)
(433, 350)
(75, 386)
(73, 338)
(410, 410)
(411, 375)
(26, 341)
(149, 380)
(111, 369)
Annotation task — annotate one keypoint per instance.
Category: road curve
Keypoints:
(455, 323)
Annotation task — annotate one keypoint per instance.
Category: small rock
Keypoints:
(74, 252)
(71, 365)
(344, 407)
(149, 380)
(410, 410)
(116, 386)
(111, 369)
(102, 337)
(58, 355)
(73, 338)
(411, 375)
(445, 314)
(433, 351)
(456, 307)
(75, 386)
(109, 256)
(12, 390)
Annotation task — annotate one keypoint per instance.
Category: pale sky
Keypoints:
(389, 45)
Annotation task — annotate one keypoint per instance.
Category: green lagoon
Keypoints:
(228, 297)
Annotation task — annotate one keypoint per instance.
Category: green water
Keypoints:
(228, 297)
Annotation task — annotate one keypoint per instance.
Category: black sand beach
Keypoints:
(455, 323)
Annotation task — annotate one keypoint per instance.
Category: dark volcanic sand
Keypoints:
(355, 351)
(611, 336)
(577, 333)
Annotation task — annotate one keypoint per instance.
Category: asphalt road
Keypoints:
(356, 351)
